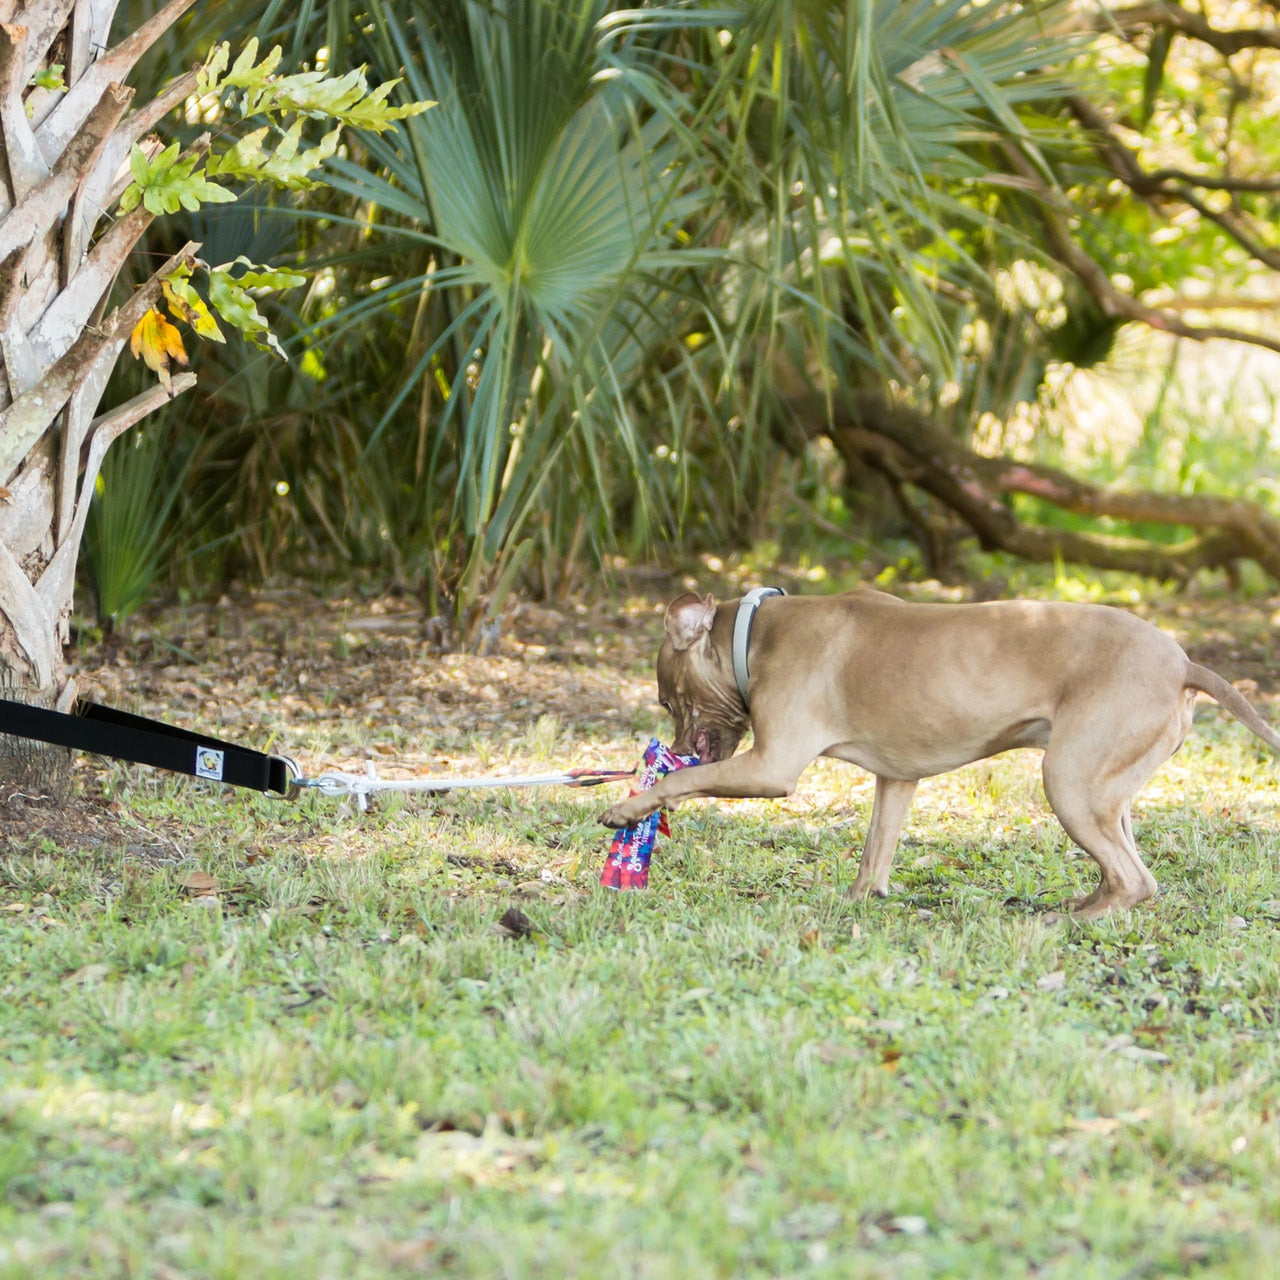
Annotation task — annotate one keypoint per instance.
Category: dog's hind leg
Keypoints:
(1091, 786)
(1125, 880)
(888, 813)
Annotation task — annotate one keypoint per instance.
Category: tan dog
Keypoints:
(907, 691)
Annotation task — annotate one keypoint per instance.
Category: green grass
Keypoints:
(340, 1067)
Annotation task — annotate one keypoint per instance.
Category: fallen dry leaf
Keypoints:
(198, 883)
(515, 924)
(88, 974)
(1094, 1124)
(1135, 1053)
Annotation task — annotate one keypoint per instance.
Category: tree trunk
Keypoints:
(28, 767)
(63, 165)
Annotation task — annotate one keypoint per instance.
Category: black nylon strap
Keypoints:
(108, 732)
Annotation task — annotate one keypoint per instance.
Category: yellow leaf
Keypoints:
(186, 304)
(157, 342)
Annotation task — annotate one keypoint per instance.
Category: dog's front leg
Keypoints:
(888, 813)
(751, 774)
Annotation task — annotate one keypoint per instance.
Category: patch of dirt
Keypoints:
(1239, 639)
(293, 673)
(84, 822)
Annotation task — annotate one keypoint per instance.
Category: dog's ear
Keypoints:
(689, 618)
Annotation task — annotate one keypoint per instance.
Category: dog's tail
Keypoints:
(1225, 695)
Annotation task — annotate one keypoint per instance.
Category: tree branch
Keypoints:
(34, 631)
(26, 420)
(1055, 211)
(75, 304)
(114, 65)
(24, 165)
(55, 582)
(1195, 25)
(1173, 184)
(907, 449)
(118, 420)
(43, 23)
(38, 207)
(90, 29)
(1123, 162)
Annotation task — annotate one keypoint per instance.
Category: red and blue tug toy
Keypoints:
(627, 866)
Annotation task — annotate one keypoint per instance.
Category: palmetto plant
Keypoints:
(539, 212)
(569, 295)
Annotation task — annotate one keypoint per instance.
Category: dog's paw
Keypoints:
(616, 817)
(1062, 915)
(626, 813)
(864, 893)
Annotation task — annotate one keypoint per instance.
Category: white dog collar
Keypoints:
(742, 633)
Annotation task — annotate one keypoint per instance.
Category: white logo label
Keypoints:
(209, 763)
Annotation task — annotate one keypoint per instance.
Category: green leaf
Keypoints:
(49, 77)
(209, 76)
(245, 74)
(286, 166)
(229, 294)
(346, 99)
(254, 276)
(246, 159)
(138, 164)
(170, 182)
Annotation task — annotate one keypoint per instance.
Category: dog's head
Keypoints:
(695, 682)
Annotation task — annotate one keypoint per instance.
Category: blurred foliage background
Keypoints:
(554, 324)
